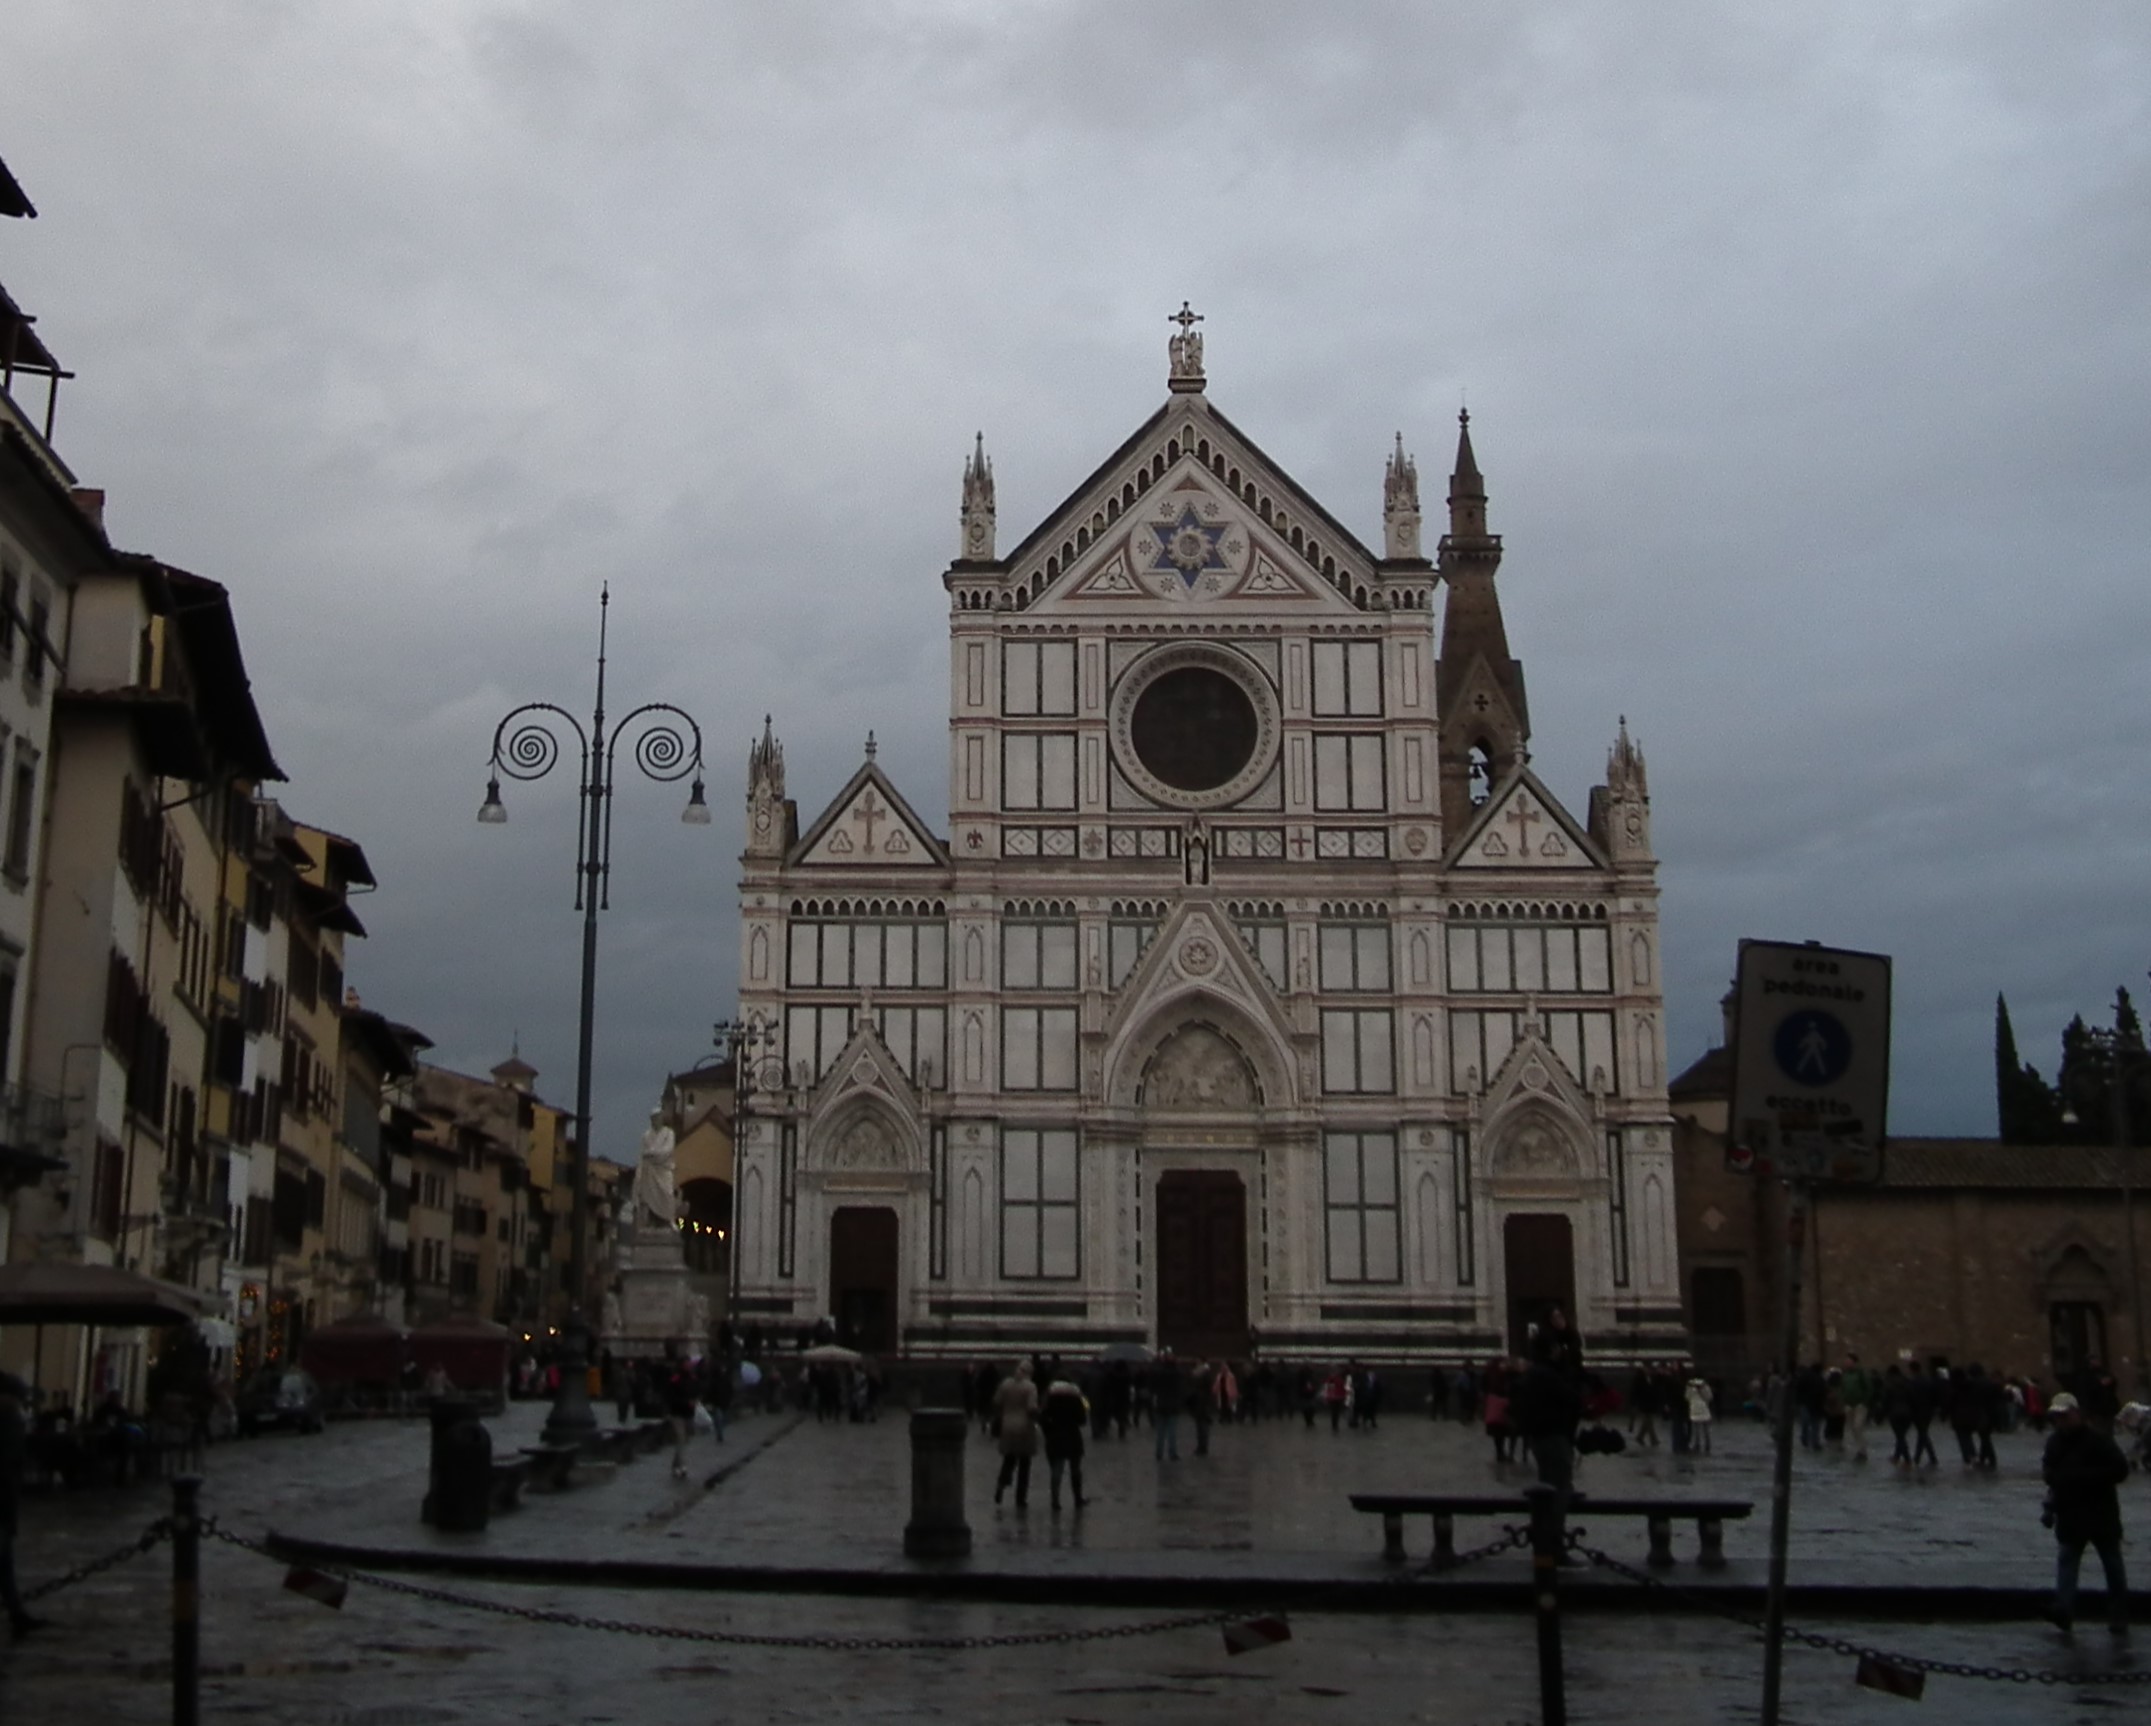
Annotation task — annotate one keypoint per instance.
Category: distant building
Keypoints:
(1257, 993)
(2014, 1256)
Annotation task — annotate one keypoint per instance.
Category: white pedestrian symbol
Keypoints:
(1814, 1053)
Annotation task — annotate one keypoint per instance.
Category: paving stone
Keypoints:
(1264, 1490)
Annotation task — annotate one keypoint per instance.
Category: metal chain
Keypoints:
(1856, 1650)
(1510, 1538)
(161, 1529)
(744, 1639)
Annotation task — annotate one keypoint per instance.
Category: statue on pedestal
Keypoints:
(656, 1198)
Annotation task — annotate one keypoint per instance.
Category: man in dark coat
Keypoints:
(2083, 1466)
(1545, 1408)
(14, 1446)
(1168, 1393)
(1060, 1419)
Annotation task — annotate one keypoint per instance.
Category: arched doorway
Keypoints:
(862, 1277)
(1202, 1262)
(1539, 1263)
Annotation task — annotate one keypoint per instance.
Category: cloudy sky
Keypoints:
(1808, 350)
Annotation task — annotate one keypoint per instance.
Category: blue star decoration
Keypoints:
(1188, 546)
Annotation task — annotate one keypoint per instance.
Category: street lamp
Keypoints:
(747, 1042)
(530, 751)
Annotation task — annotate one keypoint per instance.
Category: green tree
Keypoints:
(2026, 1108)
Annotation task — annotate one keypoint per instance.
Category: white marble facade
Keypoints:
(1255, 992)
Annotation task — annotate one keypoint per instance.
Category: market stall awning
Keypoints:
(55, 1292)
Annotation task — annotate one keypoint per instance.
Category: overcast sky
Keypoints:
(1808, 349)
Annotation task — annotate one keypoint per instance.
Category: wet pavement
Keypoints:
(1266, 1494)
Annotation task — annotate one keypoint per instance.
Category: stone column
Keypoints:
(937, 1528)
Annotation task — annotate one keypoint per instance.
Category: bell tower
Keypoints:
(1483, 721)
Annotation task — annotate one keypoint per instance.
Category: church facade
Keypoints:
(1255, 994)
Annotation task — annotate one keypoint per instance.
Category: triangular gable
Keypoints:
(1533, 1071)
(865, 1068)
(1197, 952)
(1189, 541)
(1100, 542)
(869, 824)
(1521, 826)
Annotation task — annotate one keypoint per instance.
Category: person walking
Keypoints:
(1926, 1398)
(1672, 1393)
(1700, 1400)
(1894, 1402)
(1546, 1410)
(1016, 1406)
(1061, 1420)
(2082, 1467)
(1990, 1409)
(1204, 1403)
(682, 1391)
(1168, 1391)
(1494, 1402)
(1336, 1395)
(1857, 1387)
(1808, 1393)
(14, 1449)
(717, 1393)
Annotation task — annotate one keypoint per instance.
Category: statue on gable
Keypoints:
(1185, 349)
(657, 1202)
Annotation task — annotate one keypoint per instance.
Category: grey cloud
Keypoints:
(1807, 345)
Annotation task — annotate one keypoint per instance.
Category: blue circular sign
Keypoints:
(1812, 1047)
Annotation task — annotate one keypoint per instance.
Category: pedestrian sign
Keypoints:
(1811, 1061)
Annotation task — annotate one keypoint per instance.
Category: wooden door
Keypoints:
(1200, 1263)
(862, 1277)
(1538, 1255)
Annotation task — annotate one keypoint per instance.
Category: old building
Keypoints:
(1256, 991)
(50, 537)
(2014, 1256)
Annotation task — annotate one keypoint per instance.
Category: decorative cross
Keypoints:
(1523, 815)
(869, 812)
(1185, 318)
(1299, 842)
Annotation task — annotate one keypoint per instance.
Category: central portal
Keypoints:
(1201, 1263)
(862, 1277)
(1539, 1258)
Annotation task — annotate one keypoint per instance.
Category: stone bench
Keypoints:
(507, 1485)
(616, 1444)
(1710, 1516)
(551, 1467)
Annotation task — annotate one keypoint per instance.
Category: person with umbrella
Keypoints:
(14, 1445)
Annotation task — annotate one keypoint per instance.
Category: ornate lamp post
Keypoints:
(748, 1042)
(526, 745)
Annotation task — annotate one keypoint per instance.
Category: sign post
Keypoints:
(1811, 1080)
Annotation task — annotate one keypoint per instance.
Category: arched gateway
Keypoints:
(1256, 995)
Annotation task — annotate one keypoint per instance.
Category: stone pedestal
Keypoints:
(656, 1305)
(937, 1528)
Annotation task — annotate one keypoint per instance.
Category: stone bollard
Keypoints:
(937, 1528)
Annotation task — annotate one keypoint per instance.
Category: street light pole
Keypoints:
(745, 1040)
(531, 751)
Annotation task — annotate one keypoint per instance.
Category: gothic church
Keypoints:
(1256, 996)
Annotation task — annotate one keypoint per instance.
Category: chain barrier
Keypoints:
(1847, 1647)
(1511, 1537)
(157, 1531)
(741, 1638)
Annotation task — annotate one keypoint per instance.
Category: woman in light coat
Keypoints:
(1699, 1401)
(1016, 1402)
